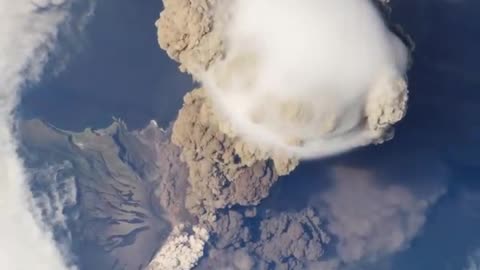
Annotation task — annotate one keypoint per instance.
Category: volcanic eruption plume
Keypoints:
(281, 80)
(308, 78)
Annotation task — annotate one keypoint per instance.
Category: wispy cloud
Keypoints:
(473, 261)
(55, 193)
(28, 30)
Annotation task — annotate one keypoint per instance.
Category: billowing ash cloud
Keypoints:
(372, 219)
(282, 80)
(222, 171)
(310, 78)
(28, 30)
(182, 249)
(115, 221)
(373, 213)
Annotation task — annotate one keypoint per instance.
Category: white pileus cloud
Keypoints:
(311, 78)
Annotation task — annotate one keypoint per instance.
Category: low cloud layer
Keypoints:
(55, 193)
(28, 31)
(299, 77)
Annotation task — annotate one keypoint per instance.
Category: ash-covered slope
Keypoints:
(117, 221)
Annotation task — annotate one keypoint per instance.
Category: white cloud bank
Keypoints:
(308, 77)
(28, 30)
